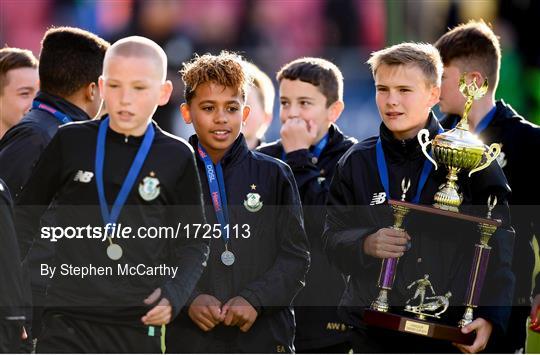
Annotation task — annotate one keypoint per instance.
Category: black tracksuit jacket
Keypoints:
(520, 142)
(317, 322)
(270, 265)
(440, 247)
(11, 291)
(57, 176)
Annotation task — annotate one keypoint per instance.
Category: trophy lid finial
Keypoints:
(405, 185)
(492, 202)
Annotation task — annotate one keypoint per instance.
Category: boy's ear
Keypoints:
(434, 95)
(186, 115)
(335, 110)
(91, 92)
(245, 113)
(166, 91)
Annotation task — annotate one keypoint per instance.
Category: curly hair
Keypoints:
(227, 69)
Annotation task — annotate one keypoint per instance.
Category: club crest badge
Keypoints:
(253, 202)
(149, 187)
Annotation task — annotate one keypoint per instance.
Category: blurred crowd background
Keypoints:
(271, 32)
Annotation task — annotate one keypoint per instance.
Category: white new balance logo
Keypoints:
(378, 198)
(83, 176)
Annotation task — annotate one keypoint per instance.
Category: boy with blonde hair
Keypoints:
(260, 99)
(407, 81)
(141, 178)
(258, 249)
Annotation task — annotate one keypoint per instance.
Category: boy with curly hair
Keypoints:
(258, 251)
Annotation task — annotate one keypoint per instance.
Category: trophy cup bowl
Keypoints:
(458, 150)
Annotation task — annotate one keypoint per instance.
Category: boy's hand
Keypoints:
(386, 243)
(239, 312)
(205, 312)
(483, 332)
(298, 134)
(161, 313)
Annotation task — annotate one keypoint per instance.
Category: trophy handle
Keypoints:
(423, 138)
(491, 154)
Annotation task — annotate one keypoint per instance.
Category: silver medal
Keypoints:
(227, 258)
(114, 251)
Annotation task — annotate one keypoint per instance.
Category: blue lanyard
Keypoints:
(134, 170)
(317, 149)
(218, 195)
(483, 124)
(62, 118)
(383, 172)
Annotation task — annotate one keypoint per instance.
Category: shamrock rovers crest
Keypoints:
(253, 202)
(149, 187)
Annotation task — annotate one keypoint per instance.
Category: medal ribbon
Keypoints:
(317, 149)
(218, 195)
(383, 172)
(134, 170)
(62, 118)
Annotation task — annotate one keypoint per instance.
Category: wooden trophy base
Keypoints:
(416, 326)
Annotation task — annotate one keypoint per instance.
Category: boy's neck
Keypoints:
(412, 133)
(322, 134)
(479, 110)
(215, 154)
(136, 132)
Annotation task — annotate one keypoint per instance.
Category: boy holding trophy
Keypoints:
(407, 79)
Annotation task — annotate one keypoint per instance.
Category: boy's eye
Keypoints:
(112, 85)
(284, 103)
(140, 87)
(207, 108)
(305, 103)
(232, 109)
(382, 89)
(24, 94)
(404, 90)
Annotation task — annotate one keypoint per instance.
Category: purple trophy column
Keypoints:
(388, 272)
(478, 274)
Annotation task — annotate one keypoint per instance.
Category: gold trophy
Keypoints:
(459, 149)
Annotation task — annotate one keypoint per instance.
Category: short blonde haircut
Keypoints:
(423, 55)
(226, 69)
(141, 47)
(264, 87)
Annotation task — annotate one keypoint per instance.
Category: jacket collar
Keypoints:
(398, 150)
(64, 106)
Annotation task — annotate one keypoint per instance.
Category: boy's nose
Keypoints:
(221, 117)
(293, 112)
(125, 97)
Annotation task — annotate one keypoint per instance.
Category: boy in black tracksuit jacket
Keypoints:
(356, 239)
(242, 303)
(311, 98)
(85, 170)
(497, 122)
(11, 296)
(68, 92)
